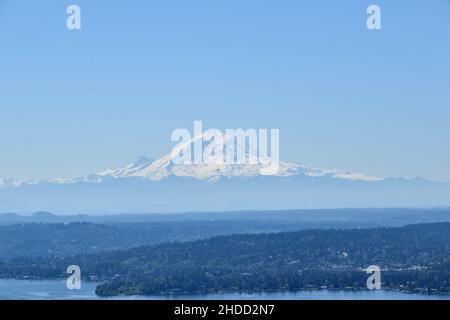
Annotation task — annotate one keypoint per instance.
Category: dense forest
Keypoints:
(69, 239)
(413, 258)
(47, 235)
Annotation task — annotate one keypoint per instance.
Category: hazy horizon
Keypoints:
(345, 97)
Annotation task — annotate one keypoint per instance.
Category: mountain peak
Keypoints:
(164, 167)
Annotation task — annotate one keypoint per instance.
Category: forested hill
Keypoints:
(69, 239)
(47, 235)
(413, 258)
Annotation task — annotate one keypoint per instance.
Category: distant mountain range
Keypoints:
(293, 219)
(147, 185)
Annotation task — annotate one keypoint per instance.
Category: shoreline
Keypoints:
(227, 292)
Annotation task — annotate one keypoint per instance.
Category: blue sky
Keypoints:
(76, 102)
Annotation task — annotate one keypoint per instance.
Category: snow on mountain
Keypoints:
(147, 185)
(6, 183)
(129, 170)
(157, 170)
(165, 167)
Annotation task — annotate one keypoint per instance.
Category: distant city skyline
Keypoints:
(75, 102)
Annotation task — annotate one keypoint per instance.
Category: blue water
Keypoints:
(56, 289)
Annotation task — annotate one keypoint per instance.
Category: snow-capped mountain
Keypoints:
(164, 185)
(165, 167)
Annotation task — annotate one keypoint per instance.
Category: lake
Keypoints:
(56, 289)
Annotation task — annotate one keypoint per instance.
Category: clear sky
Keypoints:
(76, 102)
